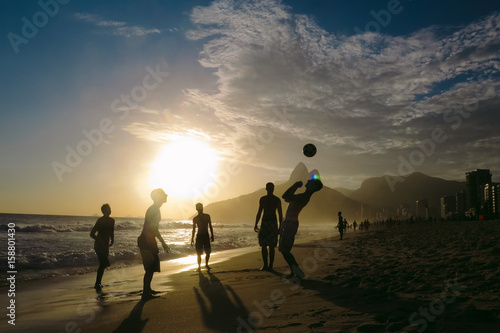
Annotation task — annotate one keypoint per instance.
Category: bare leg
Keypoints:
(199, 261)
(207, 257)
(294, 267)
(148, 277)
(100, 273)
(271, 257)
(264, 258)
(289, 258)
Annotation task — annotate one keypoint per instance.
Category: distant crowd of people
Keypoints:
(343, 226)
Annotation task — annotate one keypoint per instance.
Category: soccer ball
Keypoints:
(309, 150)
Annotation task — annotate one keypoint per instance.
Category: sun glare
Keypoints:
(184, 168)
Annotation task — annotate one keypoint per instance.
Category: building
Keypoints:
(403, 212)
(460, 204)
(448, 206)
(496, 202)
(490, 205)
(474, 195)
(422, 209)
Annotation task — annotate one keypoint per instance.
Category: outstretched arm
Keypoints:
(165, 246)
(288, 195)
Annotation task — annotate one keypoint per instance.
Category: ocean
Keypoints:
(52, 245)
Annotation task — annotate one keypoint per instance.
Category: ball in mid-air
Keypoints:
(309, 150)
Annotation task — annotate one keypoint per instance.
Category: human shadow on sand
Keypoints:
(133, 323)
(387, 309)
(220, 306)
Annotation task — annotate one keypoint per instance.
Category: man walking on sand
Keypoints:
(202, 243)
(147, 242)
(103, 233)
(268, 233)
(291, 223)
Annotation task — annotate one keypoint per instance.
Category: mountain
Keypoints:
(390, 192)
(322, 208)
(375, 194)
(345, 191)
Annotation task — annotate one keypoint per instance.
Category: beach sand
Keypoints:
(440, 277)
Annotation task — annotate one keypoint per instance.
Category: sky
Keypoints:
(100, 100)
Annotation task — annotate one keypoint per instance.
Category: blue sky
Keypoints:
(255, 80)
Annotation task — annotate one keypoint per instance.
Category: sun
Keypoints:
(184, 168)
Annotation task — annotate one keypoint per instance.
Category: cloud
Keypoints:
(116, 28)
(362, 91)
(367, 98)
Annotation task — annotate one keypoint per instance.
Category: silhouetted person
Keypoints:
(103, 233)
(290, 224)
(340, 226)
(202, 243)
(354, 225)
(147, 241)
(268, 233)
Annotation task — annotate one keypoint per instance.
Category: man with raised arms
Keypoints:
(291, 223)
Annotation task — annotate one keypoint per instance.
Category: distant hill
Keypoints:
(377, 192)
(374, 195)
(322, 208)
(345, 191)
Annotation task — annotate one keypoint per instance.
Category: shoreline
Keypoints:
(34, 275)
(389, 280)
(64, 298)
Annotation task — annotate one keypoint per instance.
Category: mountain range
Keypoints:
(375, 195)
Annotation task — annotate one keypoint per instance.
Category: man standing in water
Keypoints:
(341, 226)
(203, 222)
(268, 233)
(147, 241)
(103, 233)
(291, 223)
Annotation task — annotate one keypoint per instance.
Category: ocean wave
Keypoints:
(124, 254)
(46, 260)
(119, 225)
(45, 228)
(175, 225)
(68, 228)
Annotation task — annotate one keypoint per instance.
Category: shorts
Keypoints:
(102, 255)
(203, 244)
(149, 254)
(150, 261)
(268, 234)
(287, 235)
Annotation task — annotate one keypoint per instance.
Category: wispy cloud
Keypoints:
(116, 28)
(335, 86)
(369, 95)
